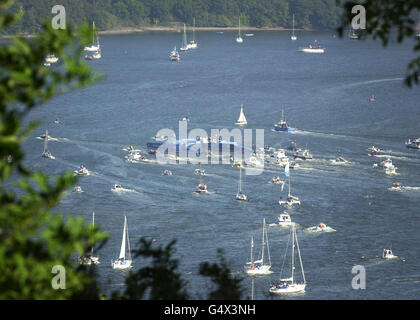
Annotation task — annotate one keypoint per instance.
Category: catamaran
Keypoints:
(289, 285)
(92, 259)
(293, 37)
(239, 38)
(258, 267)
(47, 154)
(241, 120)
(282, 124)
(184, 41)
(93, 47)
(240, 195)
(122, 262)
(291, 200)
(193, 44)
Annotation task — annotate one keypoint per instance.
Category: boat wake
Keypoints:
(404, 189)
(124, 190)
(318, 229)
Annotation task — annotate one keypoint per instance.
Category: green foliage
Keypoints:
(108, 14)
(32, 240)
(386, 20)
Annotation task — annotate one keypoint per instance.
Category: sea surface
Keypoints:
(326, 96)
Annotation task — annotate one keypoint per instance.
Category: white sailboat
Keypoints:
(122, 262)
(47, 154)
(293, 37)
(241, 120)
(93, 47)
(240, 195)
(193, 44)
(87, 261)
(289, 285)
(258, 267)
(184, 41)
(239, 38)
(291, 200)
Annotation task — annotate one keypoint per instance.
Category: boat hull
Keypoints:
(284, 129)
(126, 264)
(264, 269)
(291, 288)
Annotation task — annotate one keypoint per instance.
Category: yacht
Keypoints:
(284, 219)
(259, 267)
(241, 120)
(281, 157)
(240, 195)
(193, 44)
(413, 144)
(313, 48)
(184, 41)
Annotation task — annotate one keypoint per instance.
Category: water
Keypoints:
(325, 96)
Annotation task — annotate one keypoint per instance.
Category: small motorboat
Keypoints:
(372, 98)
(276, 180)
(174, 55)
(57, 121)
(241, 196)
(201, 188)
(78, 189)
(387, 254)
(339, 160)
(302, 154)
(284, 219)
(82, 171)
(281, 157)
(88, 57)
(200, 172)
(294, 165)
(313, 48)
(290, 200)
(413, 144)
(167, 173)
(117, 187)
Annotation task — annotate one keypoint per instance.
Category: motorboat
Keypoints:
(281, 157)
(339, 160)
(200, 172)
(372, 98)
(50, 59)
(397, 185)
(117, 187)
(82, 171)
(284, 219)
(78, 189)
(302, 154)
(282, 125)
(294, 165)
(413, 144)
(167, 173)
(276, 180)
(313, 48)
(387, 254)
(290, 200)
(174, 55)
(201, 188)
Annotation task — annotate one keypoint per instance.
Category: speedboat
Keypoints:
(290, 200)
(388, 166)
(50, 59)
(387, 254)
(202, 188)
(339, 160)
(302, 154)
(77, 189)
(281, 157)
(85, 261)
(321, 227)
(413, 144)
(284, 219)
(373, 151)
(313, 48)
(82, 171)
(372, 98)
(167, 173)
(117, 187)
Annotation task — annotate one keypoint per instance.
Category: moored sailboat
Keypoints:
(258, 267)
(122, 262)
(93, 47)
(239, 38)
(293, 36)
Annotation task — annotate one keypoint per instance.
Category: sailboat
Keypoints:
(291, 200)
(240, 195)
(184, 41)
(258, 267)
(289, 285)
(193, 44)
(94, 47)
(47, 154)
(241, 120)
(174, 55)
(239, 38)
(282, 124)
(293, 37)
(122, 262)
(92, 259)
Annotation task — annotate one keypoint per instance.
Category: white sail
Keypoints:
(241, 120)
(46, 142)
(93, 47)
(122, 251)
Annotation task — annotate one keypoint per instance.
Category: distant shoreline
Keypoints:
(129, 30)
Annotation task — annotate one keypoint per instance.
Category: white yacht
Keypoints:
(258, 267)
(193, 44)
(92, 259)
(184, 41)
(290, 200)
(94, 47)
(284, 219)
(387, 254)
(46, 153)
(122, 262)
(288, 285)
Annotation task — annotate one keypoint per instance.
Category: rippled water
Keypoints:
(324, 96)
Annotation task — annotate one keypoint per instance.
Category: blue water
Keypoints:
(325, 96)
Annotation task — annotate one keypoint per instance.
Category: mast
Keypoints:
(240, 179)
(293, 252)
(293, 25)
(94, 30)
(194, 29)
(239, 26)
(184, 38)
(46, 141)
(268, 247)
(252, 247)
(300, 260)
(289, 184)
(262, 247)
(93, 223)
(128, 241)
